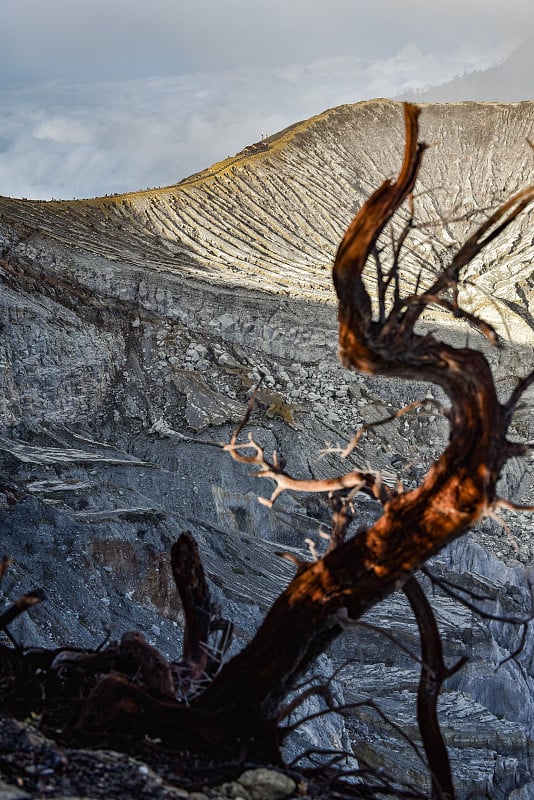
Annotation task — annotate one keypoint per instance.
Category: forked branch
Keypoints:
(357, 481)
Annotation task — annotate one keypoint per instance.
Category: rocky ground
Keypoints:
(96, 526)
(33, 766)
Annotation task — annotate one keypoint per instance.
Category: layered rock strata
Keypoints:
(133, 329)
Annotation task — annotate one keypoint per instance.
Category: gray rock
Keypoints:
(266, 784)
(8, 792)
(115, 436)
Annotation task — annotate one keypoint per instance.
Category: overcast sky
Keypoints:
(101, 96)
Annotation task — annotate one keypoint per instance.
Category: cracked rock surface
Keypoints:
(133, 331)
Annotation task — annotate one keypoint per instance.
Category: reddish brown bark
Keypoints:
(147, 663)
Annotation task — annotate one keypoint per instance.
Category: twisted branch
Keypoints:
(355, 480)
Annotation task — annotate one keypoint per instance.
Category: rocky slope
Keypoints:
(133, 328)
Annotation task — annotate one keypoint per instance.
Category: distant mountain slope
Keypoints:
(510, 81)
(271, 220)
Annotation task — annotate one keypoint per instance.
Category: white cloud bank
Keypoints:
(79, 139)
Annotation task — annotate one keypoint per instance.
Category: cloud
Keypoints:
(111, 95)
(106, 40)
(65, 139)
(64, 130)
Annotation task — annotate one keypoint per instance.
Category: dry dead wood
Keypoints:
(458, 490)
(19, 607)
(190, 581)
(433, 673)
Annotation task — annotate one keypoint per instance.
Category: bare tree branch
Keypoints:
(355, 479)
(426, 402)
(433, 673)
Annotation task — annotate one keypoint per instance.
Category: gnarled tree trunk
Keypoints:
(457, 491)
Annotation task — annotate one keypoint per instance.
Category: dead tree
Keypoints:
(458, 490)
(243, 702)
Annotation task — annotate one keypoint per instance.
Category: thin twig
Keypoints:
(368, 426)
(454, 591)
